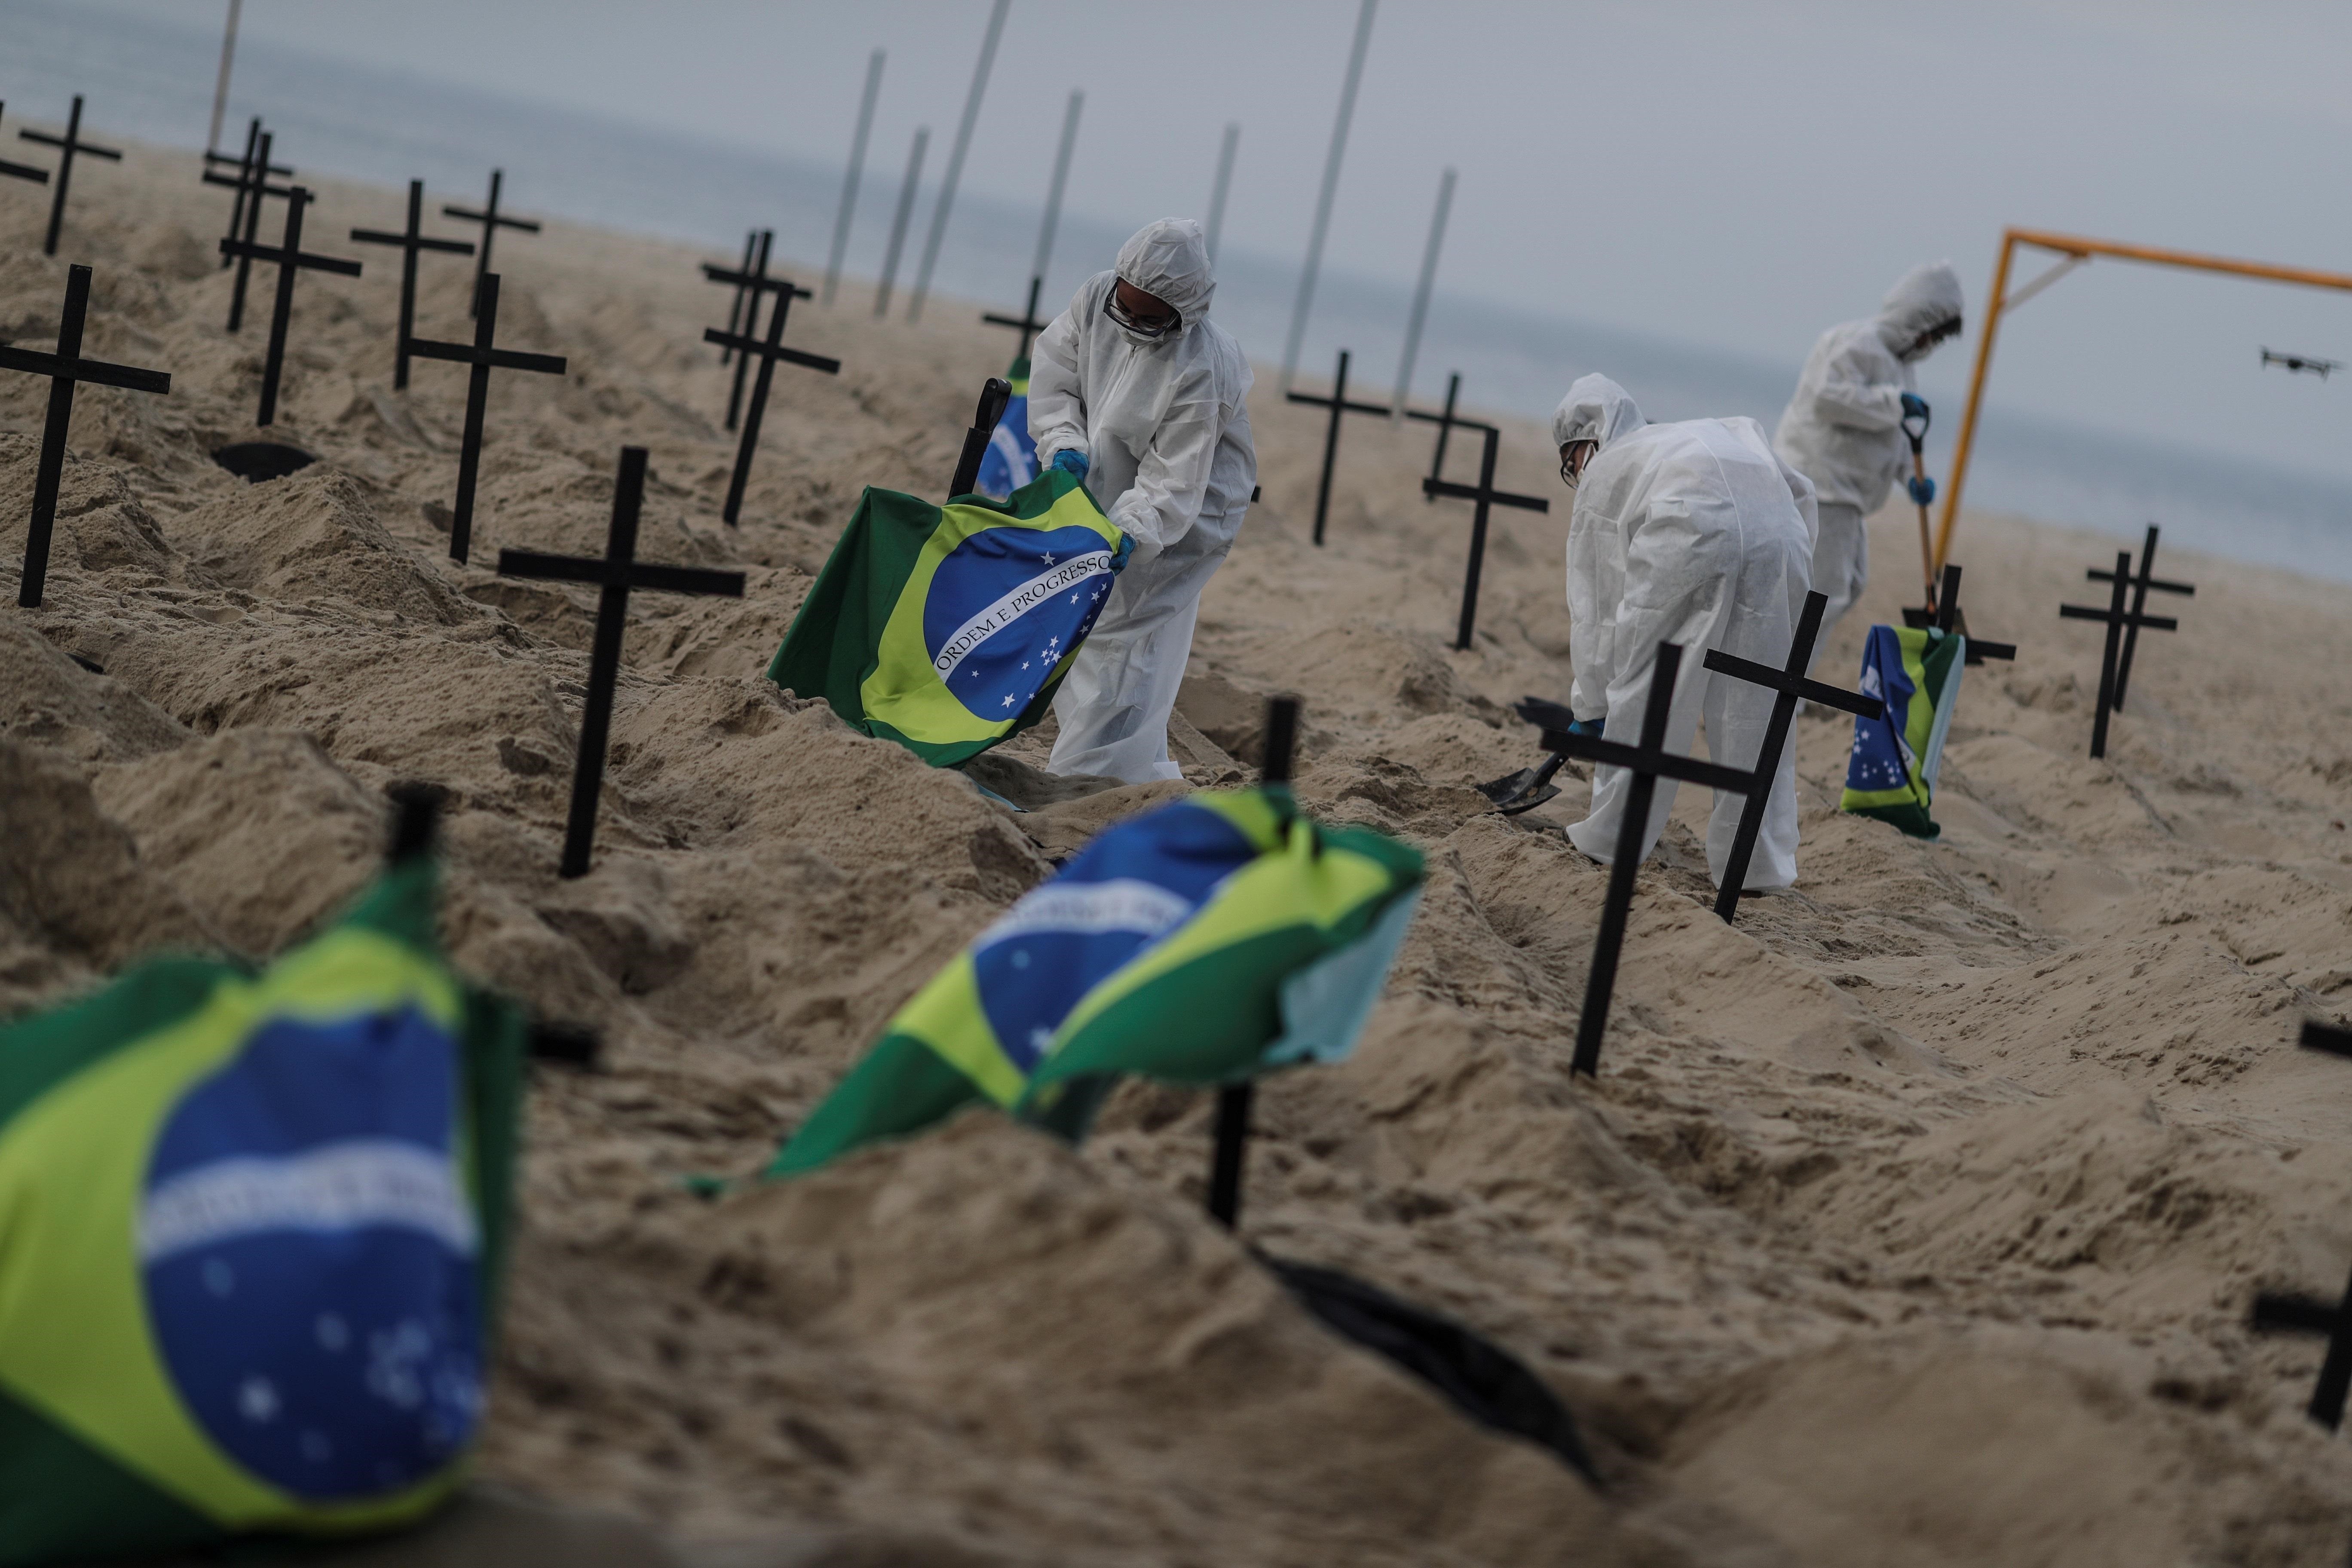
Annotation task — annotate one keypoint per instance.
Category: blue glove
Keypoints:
(1073, 462)
(1914, 406)
(1923, 490)
(1126, 549)
(1591, 727)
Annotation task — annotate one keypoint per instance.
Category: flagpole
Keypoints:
(955, 161)
(220, 89)
(856, 169)
(1421, 294)
(1330, 189)
(1224, 184)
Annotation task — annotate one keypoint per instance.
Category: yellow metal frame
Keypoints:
(2077, 249)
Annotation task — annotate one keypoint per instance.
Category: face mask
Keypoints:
(1143, 334)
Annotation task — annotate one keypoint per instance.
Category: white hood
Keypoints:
(1925, 299)
(1595, 409)
(1169, 259)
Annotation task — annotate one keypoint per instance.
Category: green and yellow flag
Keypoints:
(1213, 939)
(948, 628)
(1890, 772)
(251, 1232)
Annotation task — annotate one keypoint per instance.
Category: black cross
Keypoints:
(248, 175)
(1789, 681)
(484, 359)
(1447, 421)
(735, 308)
(1339, 405)
(410, 241)
(22, 171)
(2117, 615)
(1946, 615)
(245, 221)
(1234, 1099)
(1026, 323)
(64, 368)
(1648, 762)
(290, 258)
(491, 221)
(994, 394)
(1484, 493)
(751, 286)
(2304, 1314)
(2141, 585)
(616, 574)
(769, 350)
(67, 145)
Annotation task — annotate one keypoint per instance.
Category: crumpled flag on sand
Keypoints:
(1215, 939)
(1890, 772)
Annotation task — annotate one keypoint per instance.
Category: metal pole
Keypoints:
(856, 169)
(1224, 184)
(220, 89)
(1330, 189)
(955, 161)
(1420, 293)
(1054, 193)
(899, 224)
(1961, 448)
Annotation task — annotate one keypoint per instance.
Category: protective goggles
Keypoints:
(1127, 321)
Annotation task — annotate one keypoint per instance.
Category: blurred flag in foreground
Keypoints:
(251, 1231)
(1211, 940)
(948, 628)
(1011, 460)
(1890, 772)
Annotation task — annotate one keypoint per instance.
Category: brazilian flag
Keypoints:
(1011, 460)
(1204, 943)
(1890, 772)
(251, 1232)
(948, 628)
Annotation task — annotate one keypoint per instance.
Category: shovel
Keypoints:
(1914, 425)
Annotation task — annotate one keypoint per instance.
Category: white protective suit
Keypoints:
(1844, 427)
(1693, 534)
(1165, 426)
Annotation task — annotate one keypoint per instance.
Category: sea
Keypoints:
(153, 80)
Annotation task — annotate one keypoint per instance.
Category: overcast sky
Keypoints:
(1734, 174)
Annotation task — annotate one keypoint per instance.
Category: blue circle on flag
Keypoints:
(309, 1257)
(1003, 609)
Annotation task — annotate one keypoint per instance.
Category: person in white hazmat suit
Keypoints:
(1843, 429)
(1696, 533)
(1135, 390)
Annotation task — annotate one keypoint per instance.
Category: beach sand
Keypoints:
(1912, 1220)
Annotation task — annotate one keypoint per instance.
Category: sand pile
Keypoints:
(1913, 1221)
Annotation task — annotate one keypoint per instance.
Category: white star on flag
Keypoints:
(1049, 558)
(1008, 700)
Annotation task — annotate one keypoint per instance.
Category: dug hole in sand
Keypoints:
(1915, 1220)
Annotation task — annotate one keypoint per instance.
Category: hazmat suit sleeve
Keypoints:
(1851, 396)
(1172, 478)
(1595, 583)
(1057, 414)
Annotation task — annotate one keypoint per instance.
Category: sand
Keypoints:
(1913, 1220)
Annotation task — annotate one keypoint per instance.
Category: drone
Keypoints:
(2317, 367)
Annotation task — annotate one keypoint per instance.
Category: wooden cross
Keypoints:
(1946, 615)
(64, 368)
(1487, 496)
(2117, 615)
(22, 171)
(484, 358)
(1447, 421)
(1339, 405)
(491, 220)
(1648, 762)
(411, 241)
(769, 350)
(1026, 323)
(251, 187)
(250, 173)
(751, 286)
(2306, 1314)
(2141, 584)
(618, 571)
(290, 258)
(994, 394)
(67, 145)
(735, 308)
(1790, 682)
(1234, 1099)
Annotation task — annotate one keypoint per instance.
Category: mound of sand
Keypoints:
(1913, 1220)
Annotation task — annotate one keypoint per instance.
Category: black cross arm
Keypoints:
(238, 161)
(2318, 1036)
(504, 359)
(240, 182)
(390, 236)
(1472, 492)
(2086, 612)
(759, 346)
(1795, 684)
(470, 216)
(2101, 575)
(538, 564)
(2294, 1314)
(686, 580)
(24, 171)
(277, 254)
(715, 273)
(1456, 421)
(92, 148)
(1022, 323)
(1349, 405)
(89, 372)
(1665, 764)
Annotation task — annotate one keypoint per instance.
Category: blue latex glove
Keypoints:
(1073, 462)
(1591, 727)
(1126, 549)
(1923, 490)
(1914, 406)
